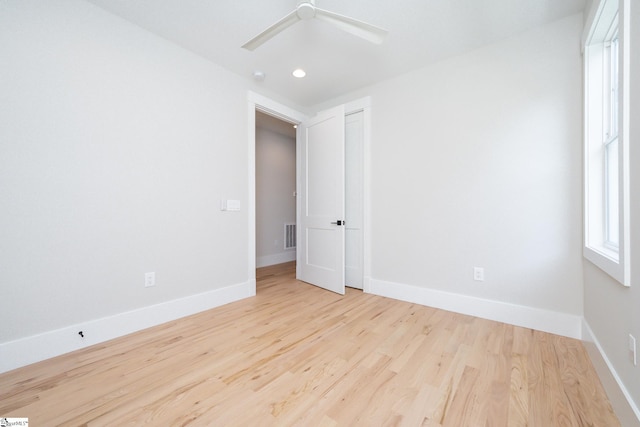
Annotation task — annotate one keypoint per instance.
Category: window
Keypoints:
(606, 169)
(610, 143)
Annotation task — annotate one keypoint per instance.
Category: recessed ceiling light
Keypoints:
(299, 73)
(258, 75)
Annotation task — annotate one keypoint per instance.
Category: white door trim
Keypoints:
(258, 102)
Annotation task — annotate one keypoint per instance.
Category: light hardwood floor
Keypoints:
(299, 355)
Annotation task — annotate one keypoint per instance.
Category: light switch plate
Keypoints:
(229, 205)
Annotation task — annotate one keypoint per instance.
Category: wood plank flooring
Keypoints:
(299, 355)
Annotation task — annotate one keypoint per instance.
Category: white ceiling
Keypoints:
(420, 32)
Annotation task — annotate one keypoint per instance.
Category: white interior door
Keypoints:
(321, 256)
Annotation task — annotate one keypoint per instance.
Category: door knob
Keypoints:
(338, 222)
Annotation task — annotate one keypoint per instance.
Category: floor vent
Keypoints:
(289, 236)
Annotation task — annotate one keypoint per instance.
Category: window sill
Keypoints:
(608, 261)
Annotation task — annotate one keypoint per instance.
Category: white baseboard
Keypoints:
(623, 405)
(25, 351)
(564, 324)
(264, 261)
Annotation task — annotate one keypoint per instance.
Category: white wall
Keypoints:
(611, 310)
(476, 161)
(275, 203)
(115, 150)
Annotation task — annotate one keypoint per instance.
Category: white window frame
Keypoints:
(606, 128)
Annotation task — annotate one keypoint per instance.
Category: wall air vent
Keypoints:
(289, 236)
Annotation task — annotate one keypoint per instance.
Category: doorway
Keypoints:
(275, 190)
(259, 103)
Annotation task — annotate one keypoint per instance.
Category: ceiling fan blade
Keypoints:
(353, 26)
(272, 31)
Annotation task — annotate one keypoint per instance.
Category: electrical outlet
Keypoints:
(633, 350)
(149, 279)
(478, 274)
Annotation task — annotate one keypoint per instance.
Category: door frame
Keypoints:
(262, 103)
(266, 105)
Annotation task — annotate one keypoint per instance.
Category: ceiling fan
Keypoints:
(306, 10)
